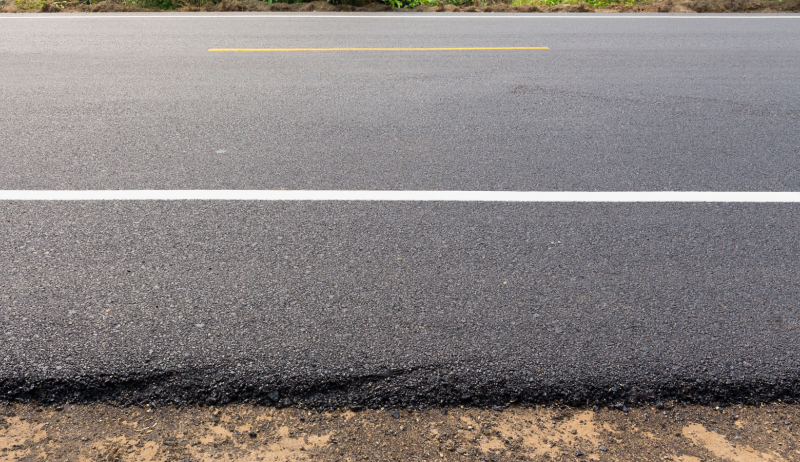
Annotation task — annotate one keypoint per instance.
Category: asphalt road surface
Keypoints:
(327, 303)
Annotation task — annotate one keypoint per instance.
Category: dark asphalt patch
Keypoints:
(385, 304)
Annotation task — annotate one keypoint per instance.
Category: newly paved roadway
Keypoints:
(381, 303)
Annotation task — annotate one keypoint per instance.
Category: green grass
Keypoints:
(30, 4)
(593, 3)
(37, 4)
(430, 3)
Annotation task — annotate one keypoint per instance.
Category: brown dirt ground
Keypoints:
(664, 6)
(82, 433)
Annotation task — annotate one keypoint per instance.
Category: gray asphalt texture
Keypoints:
(328, 304)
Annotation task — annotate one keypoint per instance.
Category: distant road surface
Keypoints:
(399, 302)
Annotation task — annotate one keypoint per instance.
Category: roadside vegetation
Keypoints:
(674, 6)
(241, 432)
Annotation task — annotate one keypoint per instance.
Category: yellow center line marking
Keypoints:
(379, 49)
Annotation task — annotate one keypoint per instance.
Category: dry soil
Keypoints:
(99, 432)
(663, 6)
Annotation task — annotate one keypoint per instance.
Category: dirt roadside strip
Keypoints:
(250, 433)
(571, 6)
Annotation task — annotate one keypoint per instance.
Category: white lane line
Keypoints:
(445, 196)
